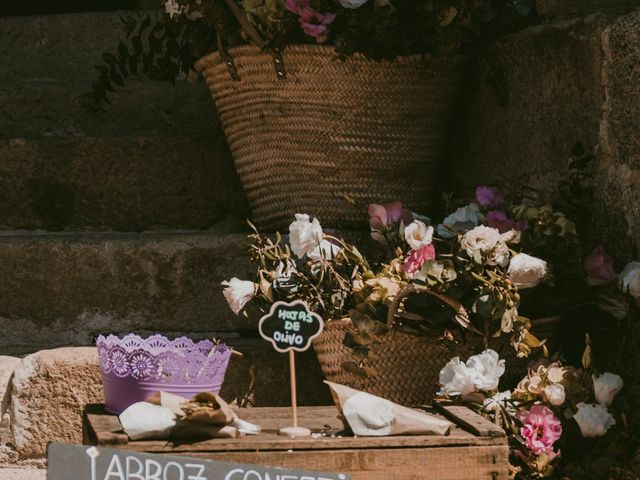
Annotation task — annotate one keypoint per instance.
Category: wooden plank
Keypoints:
(107, 428)
(102, 427)
(469, 420)
(456, 463)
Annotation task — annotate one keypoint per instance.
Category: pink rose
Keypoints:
(540, 429)
(599, 267)
(488, 197)
(498, 219)
(296, 6)
(316, 24)
(413, 263)
(383, 215)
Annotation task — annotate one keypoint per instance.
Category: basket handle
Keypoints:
(256, 38)
(462, 316)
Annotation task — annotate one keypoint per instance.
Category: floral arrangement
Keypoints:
(168, 47)
(562, 421)
(478, 256)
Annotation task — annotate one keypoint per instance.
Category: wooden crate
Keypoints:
(476, 449)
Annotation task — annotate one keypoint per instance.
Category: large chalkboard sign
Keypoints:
(76, 462)
(290, 326)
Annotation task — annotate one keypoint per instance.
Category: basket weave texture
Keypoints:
(407, 366)
(336, 134)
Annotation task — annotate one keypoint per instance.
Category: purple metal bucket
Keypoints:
(134, 367)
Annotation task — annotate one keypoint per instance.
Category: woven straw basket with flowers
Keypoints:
(310, 131)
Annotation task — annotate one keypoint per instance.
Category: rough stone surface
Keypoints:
(22, 474)
(7, 367)
(533, 95)
(618, 198)
(126, 184)
(583, 7)
(50, 388)
(67, 288)
(157, 158)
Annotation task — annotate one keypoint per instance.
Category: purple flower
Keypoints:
(488, 197)
(498, 219)
(599, 267)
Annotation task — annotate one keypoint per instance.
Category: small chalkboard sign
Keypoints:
(290, 326)
(76, 462)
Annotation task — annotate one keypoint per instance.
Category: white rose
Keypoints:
(593, 420)
(238, 293)
(352, 3)
(555, 394)
(487, 369)
(631, 279)
(606, 387)
(326, 250)
(493, 404)
(456, 379)
(488, 242)
(304, 235)
(500, 256)
(418, 234)
(461, 220)
(526, 271)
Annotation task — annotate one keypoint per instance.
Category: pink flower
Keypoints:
(296, 6)
(413, 263)
(540, 429)
(498, 219)
(315, 24)
(488, 197)
(599, 267)
(383, 215)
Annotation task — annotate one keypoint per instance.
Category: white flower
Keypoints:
(304, 235)
(418, 234)
(172, 8)
(461, 220)
(555, 373)
(493, 404)
(238, 293)
(526, 271)
(593, 420)
(326, 250)
(486, 243)
(456, 378)
(352, 3)
(555, 394)
(606, 387)
(487, 369)
(631, 279)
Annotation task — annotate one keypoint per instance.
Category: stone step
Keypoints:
(156, 159)
(63, 288)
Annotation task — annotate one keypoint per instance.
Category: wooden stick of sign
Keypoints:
(290, 327)
(294, 394)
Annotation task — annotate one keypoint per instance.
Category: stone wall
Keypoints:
(156, 159)
(536, 93)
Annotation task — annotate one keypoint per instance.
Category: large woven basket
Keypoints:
(407, 366)
(329, 134)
